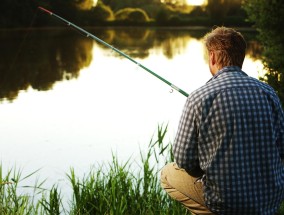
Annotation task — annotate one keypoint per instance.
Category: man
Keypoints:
(229, 146)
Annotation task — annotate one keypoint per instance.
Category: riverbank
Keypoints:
(130, 187)
(113, 188)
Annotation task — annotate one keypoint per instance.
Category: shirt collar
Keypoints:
(227, 69)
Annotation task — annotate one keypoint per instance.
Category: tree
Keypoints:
(84, 5)
(174, 2)
(117, 5)
(102, 12)
(132, 15)
(72, 5)
(219, 9)
(268, 16)
(17, 13)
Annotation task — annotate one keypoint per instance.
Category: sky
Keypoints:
(196, 2)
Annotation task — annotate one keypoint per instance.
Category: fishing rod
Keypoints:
(87, 34)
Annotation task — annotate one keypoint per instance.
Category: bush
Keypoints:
(102, 13)
(136, 15)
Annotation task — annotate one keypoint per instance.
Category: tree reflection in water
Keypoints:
(44, 57)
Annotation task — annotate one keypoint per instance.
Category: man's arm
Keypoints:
(185, 146)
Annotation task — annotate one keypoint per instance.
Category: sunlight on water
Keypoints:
(253, 68)
(113, 106)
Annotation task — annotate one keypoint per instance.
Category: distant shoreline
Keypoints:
(197, 28)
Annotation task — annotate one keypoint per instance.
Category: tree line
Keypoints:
(50, 56)
(265, 16)
(20, 13)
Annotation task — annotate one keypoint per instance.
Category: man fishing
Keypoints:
(229, 147)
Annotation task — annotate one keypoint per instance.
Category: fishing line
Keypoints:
(87, 34)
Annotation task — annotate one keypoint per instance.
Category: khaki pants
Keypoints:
(184, 188)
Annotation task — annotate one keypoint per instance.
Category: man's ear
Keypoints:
(213, 63)
(212, 58)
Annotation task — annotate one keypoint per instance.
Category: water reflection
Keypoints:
(73, 101)
(40, 58)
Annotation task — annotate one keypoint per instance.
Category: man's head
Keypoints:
(226, 47)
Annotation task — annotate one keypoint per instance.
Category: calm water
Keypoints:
(67, 101)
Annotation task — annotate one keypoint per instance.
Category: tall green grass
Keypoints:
(125, 188)
(113, 188)
(13, 202)
(130, 187)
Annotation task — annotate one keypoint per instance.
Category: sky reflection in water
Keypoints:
(112, 107)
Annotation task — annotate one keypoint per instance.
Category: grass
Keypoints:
(121, 190)
(115, 188)
(11, 202)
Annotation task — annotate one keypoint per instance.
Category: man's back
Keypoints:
(231, 136)
(239, 120)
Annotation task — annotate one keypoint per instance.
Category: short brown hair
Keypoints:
(228, 45)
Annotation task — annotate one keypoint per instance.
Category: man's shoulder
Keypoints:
(205, 93)
(227, 82)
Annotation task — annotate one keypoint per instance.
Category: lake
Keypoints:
(68, 101)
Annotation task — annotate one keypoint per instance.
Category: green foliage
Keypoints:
(219, 9)
(175, 19)
(10, 201)
(84, 4)
(153, 9)
(118, 189)
(117, 5)
(22, 13)
(268, 17)
(67, 4)
(53, 204)
(102, 12)
(108, 189)
(281, 209)
(163, 15)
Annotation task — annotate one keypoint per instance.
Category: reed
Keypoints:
(120, 188)
(52, 202)
(114, 188)
(12, 201)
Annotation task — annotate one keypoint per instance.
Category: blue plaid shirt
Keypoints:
(233, 129)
